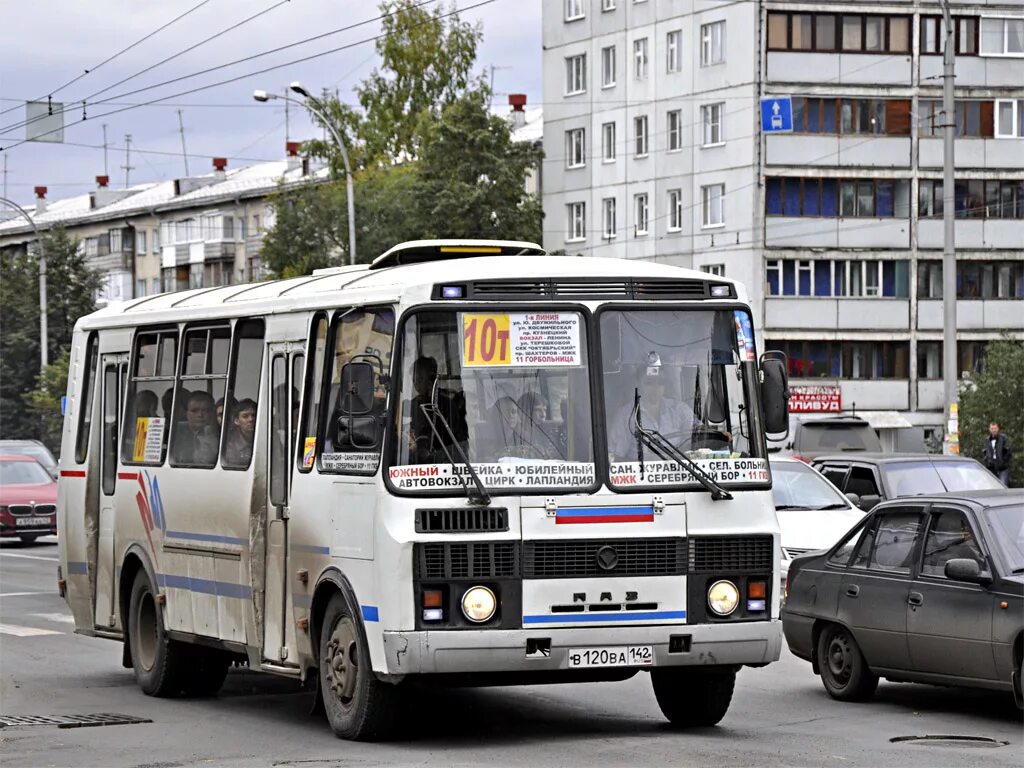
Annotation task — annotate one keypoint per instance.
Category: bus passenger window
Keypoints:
(149, 398)
(85, 404)
(244, 389)
(196, 433)
(314, 384)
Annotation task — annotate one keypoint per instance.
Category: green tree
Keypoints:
(996, 394)
(43, 402)
(307, 233)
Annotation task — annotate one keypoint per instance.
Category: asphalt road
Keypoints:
(780, 714)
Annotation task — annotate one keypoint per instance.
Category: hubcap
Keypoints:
(840, 659)
(341, 661)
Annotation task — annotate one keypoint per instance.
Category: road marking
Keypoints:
(60, 618)
(13, 629)
(29, 557)
(24, 594)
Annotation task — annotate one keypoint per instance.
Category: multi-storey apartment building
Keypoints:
(654, 150)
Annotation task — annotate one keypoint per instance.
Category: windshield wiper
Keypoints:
(661, 446)
(433, 414)
(837, 505)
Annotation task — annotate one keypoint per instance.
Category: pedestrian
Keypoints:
(998, 454)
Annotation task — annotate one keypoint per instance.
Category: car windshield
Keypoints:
(37, 452)
(796, 486)
(688, 376)
(23, 473)
(509, 389)
(1009, 524)
(913, 478)
(823, 438)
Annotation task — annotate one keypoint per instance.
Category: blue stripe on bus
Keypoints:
(370, 613)
(314, 548)
(574, 618)
(604, 511)
(77, 568)
(216, 539)
(204, 586)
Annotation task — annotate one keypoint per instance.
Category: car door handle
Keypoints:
(915, 598)
(853, 590)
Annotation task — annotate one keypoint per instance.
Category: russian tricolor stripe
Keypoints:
(580, 515)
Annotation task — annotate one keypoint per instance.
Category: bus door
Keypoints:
(112, 380)
(286, 366)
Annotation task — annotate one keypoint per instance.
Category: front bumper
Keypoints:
(439, 652)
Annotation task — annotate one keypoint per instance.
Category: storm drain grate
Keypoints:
(971, 742)
(71, 721)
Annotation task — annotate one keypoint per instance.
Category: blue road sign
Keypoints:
(63, 404)
(777, 114)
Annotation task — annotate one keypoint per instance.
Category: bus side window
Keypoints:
(85, 403)
(314, 385)
(240, 405)
(195, 436)
(149, 399)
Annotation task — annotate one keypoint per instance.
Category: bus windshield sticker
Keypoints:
(149, 439)
(521, 339)
(308, 452)
(626, 474)
(500, 474)
(349, 462)
(744, 336)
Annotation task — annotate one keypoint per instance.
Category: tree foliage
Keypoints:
(43, 402)
(307, 233)
(996, 394)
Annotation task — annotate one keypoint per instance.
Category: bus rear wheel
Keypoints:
(208, 668)
(160, 663)
(693, 696)
(358, 705)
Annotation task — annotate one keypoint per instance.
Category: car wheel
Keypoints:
(358, 705)
(160, 663)
(28, 539)
(844, 672)
(693, 696)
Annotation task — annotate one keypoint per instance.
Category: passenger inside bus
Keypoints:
(145, 404)
(195, 438)
(238, 446)
(523, 430)
(427, 436)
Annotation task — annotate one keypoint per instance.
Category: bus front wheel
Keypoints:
(693, 696)
(359, 706)
(160, 663)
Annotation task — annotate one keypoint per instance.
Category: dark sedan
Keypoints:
(927, 589)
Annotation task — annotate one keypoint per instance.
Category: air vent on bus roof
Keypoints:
(587, 288)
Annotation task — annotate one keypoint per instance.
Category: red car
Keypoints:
(28, 499)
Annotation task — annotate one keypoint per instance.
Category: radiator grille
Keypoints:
(715, 554)
(29, 509)
(632, 557)
(464, 520)
(467, 560)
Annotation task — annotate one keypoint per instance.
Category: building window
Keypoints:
(674, 51)
(856, 33)
(140, 288)
(608, 142)
(846, 359)
(974, 280)
(140, 241)
(640, 58)
(675, 130)
(575, 9)
(933, 35)
(156, 240)
(929, 359)
(576, 215)
(1009, 118)
(155, 285)
(608, 225)
(712, 205)
(828, 198)
(640, 218)
(576, 74)
(713, 269)
(1002, 37)
(975, 119)
(889, 117)
(608, 66)
(838, 278)
(675, 210)
(974, 199)
(575, 148)
(640, 136)
(712, 43)
(711, 118)
(607, 5)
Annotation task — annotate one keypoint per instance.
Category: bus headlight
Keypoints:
(479, 604)
(723, 597)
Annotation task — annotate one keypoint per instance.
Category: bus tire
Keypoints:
(359, 707)
(160, 663)
(693, 696)
(207, 670)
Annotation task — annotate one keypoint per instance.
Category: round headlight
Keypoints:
(479, 604)
(723, 597)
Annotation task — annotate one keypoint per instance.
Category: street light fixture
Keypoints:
(313, 105)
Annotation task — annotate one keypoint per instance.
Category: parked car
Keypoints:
(32, 448)
(869, 478)
(928, 589)
(812, 513)
(813, 437)
(28, 498)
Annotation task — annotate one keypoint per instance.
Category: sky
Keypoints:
(49, 43)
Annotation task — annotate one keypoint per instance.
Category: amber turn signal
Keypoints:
(757, 590)
(432, 598)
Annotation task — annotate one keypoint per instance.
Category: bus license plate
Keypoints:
(32, 520)
(612, 656)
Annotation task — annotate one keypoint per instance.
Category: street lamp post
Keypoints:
(949, 355)
(313, 105)
(43, 333)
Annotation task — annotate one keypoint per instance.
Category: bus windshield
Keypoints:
(688, 377)
(509, 391)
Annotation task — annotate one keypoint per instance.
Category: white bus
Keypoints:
(468, 462)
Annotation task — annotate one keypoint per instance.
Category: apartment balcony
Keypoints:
(823, 314)
(930, 395)
(839, 68)
(973, 234)
(870, 394)
(817, 232)
(987, 71)
(974, 153)
(796, 149)
(973, 315)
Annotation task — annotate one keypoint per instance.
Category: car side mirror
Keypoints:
(869, 501)
(854, 499)
(357, 388)
(965, 569)
(775, 394)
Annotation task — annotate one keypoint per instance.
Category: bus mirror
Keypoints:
(775, 395)
(356, 388)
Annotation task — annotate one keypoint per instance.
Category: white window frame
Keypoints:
(575, 10)
(674, 132)
(1004, 52)
(773, 265)
(674, 51)
(641, 59)
(641, 138)
(707, 201)
(1016, 118)
(675, 210)
(718, 270)
(608, 216)
(576, 222)
(608, 148)
(607, 5)
(641, 215)
(711, 33)
(576, 148)
(709, 124)
(576, 74)
(140, 241)
(608, 67)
